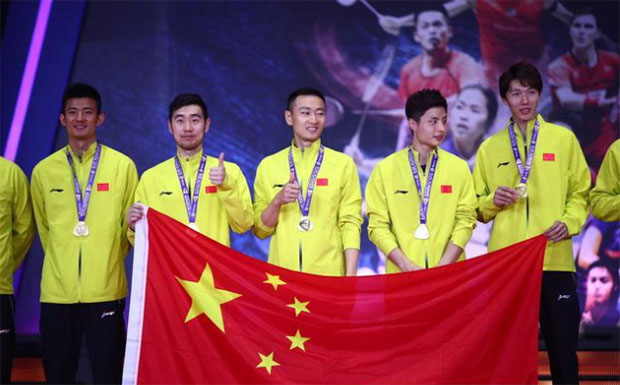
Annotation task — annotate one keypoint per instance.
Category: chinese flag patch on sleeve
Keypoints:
(322, 182)
(549, 157)
(103, 187)
(210, 189)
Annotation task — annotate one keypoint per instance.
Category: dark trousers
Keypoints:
(559, 324)
(7, 337)
(103, 326)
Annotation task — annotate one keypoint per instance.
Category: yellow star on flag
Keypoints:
(299, 307)
(274, 280)
(206, 298)
(267, 362)
(297, 341)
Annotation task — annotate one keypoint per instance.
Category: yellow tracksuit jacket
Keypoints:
(16, 222)
(83, 269)
(605, 196)
(219, 207)
(335, 210)
(394, 207)
(558, 188)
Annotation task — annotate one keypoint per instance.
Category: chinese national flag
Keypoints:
(204, 313)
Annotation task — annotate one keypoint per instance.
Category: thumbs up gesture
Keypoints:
(218, 174)
(290, 191)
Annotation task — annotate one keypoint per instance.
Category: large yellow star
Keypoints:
(299, 307)
(274, 280)
(206, 298)
(297, 341)
(267, 362)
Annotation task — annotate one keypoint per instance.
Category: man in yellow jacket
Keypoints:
(605, 196)
(178, 187)
(16, 234)
(532, 178)
(308, 197)
(80, 195)
(421, 201)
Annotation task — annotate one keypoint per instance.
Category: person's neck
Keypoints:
(423, 150)
(188, 153)
(438, 57)
(467, 148)
(302, 144)
(79, 146)
(522, 126)
(585, 56)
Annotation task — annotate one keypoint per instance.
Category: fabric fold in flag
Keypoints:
(204, 313)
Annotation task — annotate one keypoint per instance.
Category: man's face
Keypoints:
(432, 31)
(522, 101)
(307, 117)
(469, 115)
(81, 119)
(431, 129)
(188, 127)
(583, 31)
(599, 285)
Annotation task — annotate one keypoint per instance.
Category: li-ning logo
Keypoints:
(401, 192)
(59, 190)
(107, 314)
(563, 296)
(502, 164)
(165, 193)
(5, 331)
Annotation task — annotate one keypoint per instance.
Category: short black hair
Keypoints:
(584, 11)
(525, 72)
(420, 102)
(183, 100)
(81, 90)
(303, 92)
(491, 100)
(433, 8)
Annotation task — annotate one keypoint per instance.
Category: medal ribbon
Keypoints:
(424, 198)
(191, 204)
(304, 204)
(524, 171)
(82, 204)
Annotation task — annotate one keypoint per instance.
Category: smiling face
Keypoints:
(522, 101)
(307, 117)
(583, 31)
(468, 117)
(188, 127)
(81, 119)
(430, 131)
(432, 31)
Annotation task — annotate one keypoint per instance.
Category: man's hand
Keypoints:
(135, 213)
(289, 192)
(557, 231)
(218, 174)
(400, 259)
(390, 24)
(505, 196)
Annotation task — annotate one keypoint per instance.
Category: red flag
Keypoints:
(204, 313)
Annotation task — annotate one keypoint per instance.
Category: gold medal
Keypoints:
(422, 232)
(305, 224)
(80, 230)
(193, 226)
(522, 190)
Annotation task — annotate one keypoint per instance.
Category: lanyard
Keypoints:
(191, 204)
(82, 202)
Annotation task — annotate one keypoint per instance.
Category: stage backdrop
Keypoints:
(244, 57)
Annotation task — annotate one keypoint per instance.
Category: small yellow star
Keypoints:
(267, 362)
(206, 298)
(274, 280)
(297, 341)
(299, 307)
